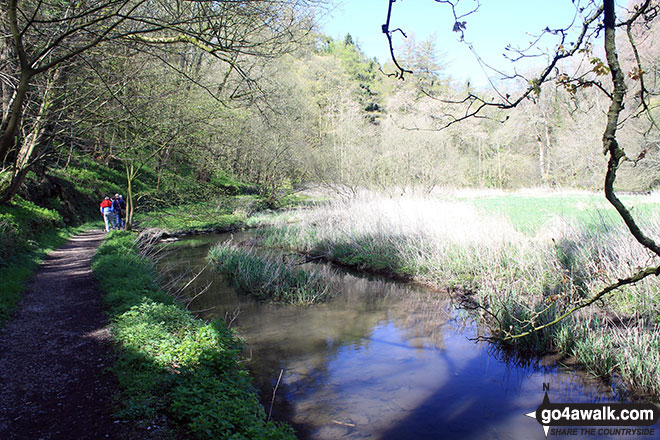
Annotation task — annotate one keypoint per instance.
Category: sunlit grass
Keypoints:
(194, 217)
(225, 213)
(530, 209)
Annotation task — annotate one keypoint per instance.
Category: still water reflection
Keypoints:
(382, 360)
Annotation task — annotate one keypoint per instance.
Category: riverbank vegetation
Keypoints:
(269, 277)
(505, 274)
(172, 363)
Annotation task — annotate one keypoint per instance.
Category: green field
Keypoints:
(528, 212)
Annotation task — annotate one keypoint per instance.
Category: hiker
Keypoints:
(116, 209)
(119, 205)
(106, 210)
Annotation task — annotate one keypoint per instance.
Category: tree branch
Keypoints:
(585, 303)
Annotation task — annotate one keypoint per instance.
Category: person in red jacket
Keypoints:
(106, 210)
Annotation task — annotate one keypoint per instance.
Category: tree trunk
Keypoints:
(610, 144)
(130, 175)
(547, 147)
(10, 126)
(25, 150)
(539, 141)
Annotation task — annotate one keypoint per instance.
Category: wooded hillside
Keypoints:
(190, 93)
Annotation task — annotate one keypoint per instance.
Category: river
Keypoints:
(382, 360)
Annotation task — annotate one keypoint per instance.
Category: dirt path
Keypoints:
(54, 352)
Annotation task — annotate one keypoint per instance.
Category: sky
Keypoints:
(496, 24)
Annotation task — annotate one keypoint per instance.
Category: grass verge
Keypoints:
(171, 362)
(224, 214)
(268, 278)
(229, 212)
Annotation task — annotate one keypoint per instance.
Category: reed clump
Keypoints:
(269, 277)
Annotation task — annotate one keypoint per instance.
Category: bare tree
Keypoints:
(595, 17)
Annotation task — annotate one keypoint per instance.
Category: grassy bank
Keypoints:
(268, 278)
(514, 274)
(204, 216)
(171, 362)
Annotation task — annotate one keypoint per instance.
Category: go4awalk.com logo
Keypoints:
(596, 419)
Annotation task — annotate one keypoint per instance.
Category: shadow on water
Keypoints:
(385, 360)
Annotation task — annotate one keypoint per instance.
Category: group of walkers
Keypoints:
(114, 211)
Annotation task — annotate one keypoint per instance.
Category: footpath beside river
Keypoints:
(55, 350)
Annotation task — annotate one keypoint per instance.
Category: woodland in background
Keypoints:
(309, 109)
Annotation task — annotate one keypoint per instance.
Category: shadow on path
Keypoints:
(54, 350)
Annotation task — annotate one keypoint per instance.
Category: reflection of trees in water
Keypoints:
(423, 316)
(347, 321)
(306, 341)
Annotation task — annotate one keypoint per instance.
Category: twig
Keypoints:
(203, 310)
(201, 292)
(192, 280)
(272, 401)
(337, 422)
(388, 33)
(235, 313)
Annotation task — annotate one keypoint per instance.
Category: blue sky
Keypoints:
(496, 24)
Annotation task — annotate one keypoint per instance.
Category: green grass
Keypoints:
(529, 212)
(268, 278)
(638, 359)
(595, 349)
(223, 214)
(94, 179)
(21, 225)
(170, 362)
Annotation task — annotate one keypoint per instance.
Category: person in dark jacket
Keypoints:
(116, 209)
(120, 210)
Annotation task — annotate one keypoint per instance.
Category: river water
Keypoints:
(382, 360)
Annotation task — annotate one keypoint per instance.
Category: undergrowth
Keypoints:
(171, 362)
